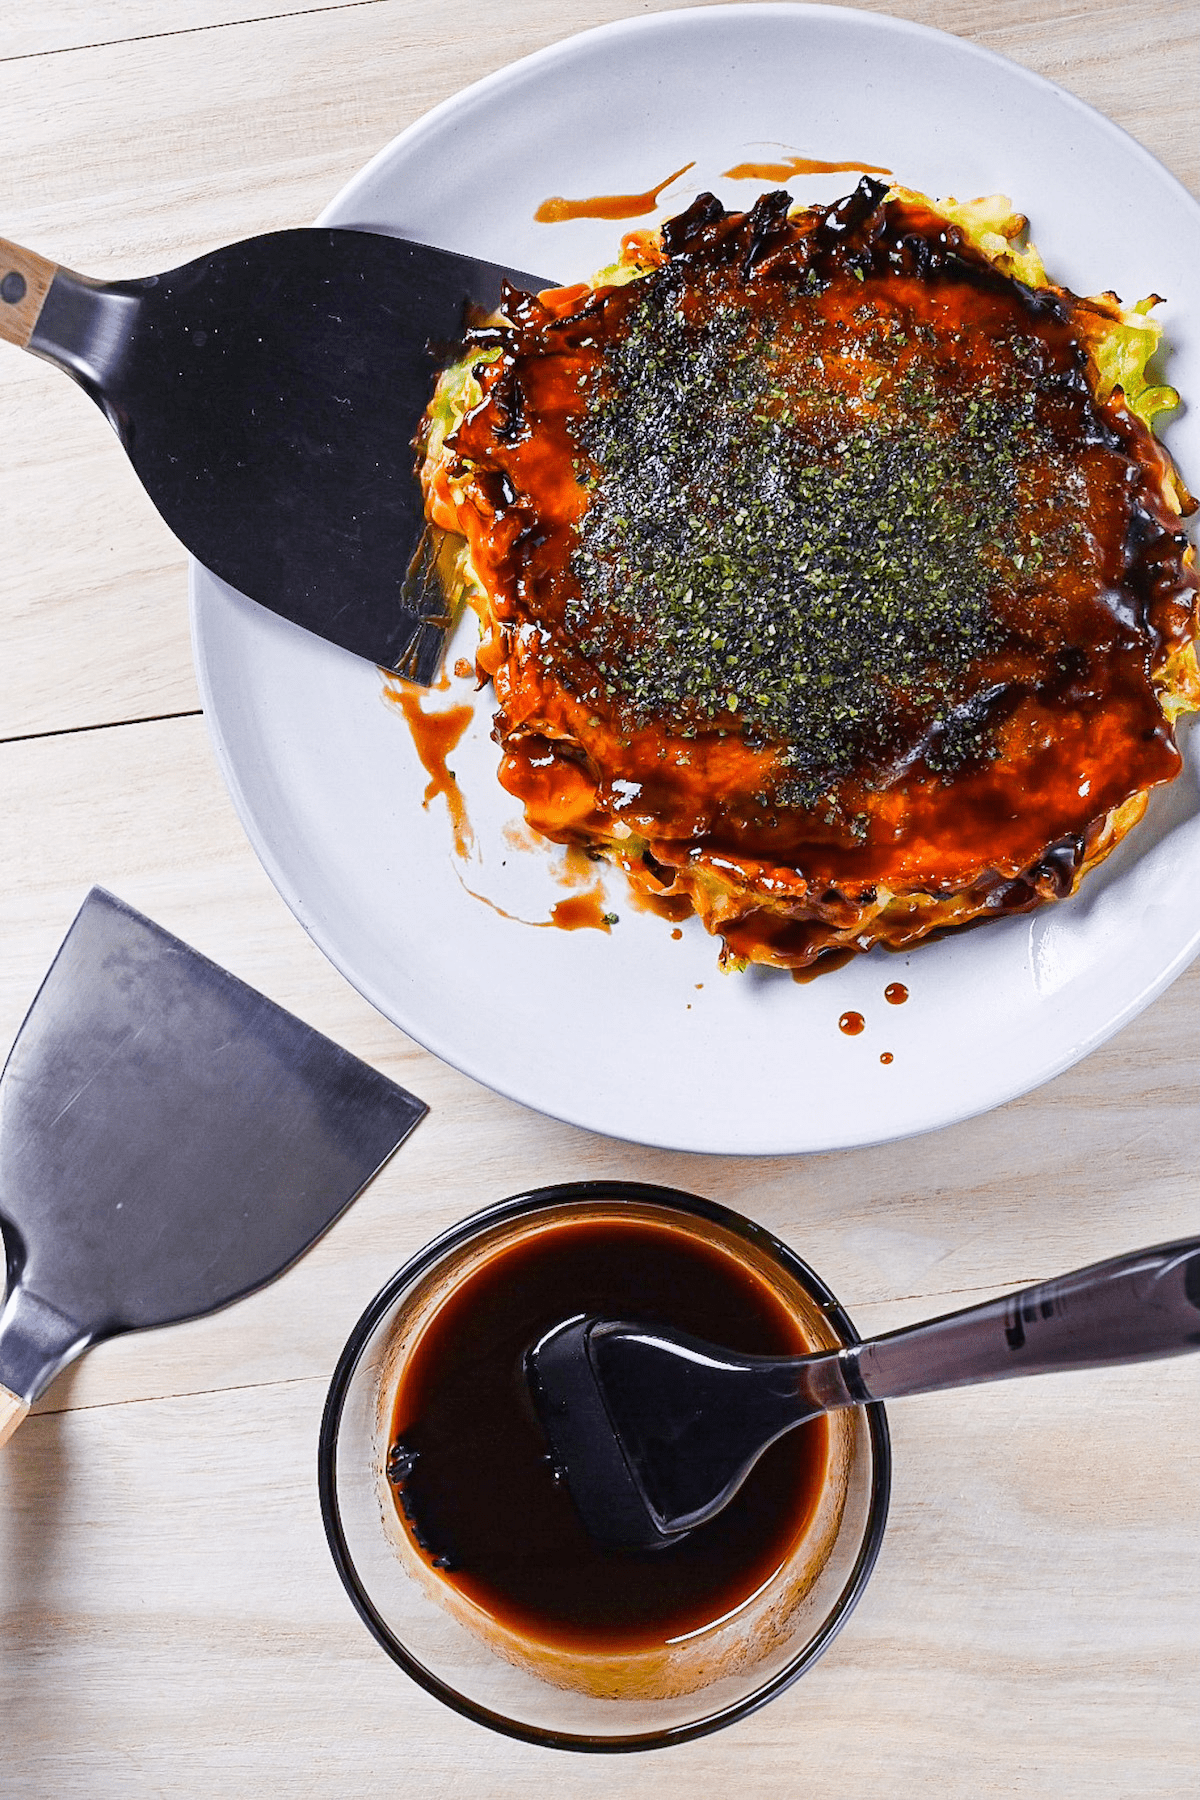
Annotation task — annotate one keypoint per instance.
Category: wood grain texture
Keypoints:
(92, 24)
(171, 1623)
(25, 279)
(12, 1410)
(170, 1620)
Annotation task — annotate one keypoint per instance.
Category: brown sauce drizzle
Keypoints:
(580, 913)
(605, 206)
(886, 1057)
(823, 964)
(583, 912)
(435, 735)
(852, 1023)
(502, 912)
(797, 165)
(895, 993)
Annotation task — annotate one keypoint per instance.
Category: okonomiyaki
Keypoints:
(831, 579)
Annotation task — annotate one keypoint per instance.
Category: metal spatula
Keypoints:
(169, 1140)
(267, 395)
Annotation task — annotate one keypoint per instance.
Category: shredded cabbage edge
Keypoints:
(1120, 349)
(1122, 344)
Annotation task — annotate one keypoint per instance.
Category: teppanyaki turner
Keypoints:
(267, 395)
(169, 1141)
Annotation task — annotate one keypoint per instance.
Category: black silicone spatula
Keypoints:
(656, 1431)
(169, 1140)
(267, 395)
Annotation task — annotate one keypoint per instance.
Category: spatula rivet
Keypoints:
(12, 288)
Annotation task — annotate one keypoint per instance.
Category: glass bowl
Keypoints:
(553, 1697)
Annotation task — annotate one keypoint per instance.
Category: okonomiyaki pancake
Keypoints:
(831, 578)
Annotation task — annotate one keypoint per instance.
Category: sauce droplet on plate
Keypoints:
(887, 1057)
(895, 993)
(851, 1023)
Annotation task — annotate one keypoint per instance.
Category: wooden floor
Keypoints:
(170, 1620)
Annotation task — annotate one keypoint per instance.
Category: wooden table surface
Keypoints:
(170, 1620)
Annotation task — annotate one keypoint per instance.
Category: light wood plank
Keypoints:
(1122, 62)
(95, 24)
(172, 1624)
(93, 607)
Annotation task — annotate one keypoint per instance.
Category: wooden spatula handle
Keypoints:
(25, 281)
(12, 1411)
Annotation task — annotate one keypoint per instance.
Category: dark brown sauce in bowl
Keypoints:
(469, 1465)
(610, 1683)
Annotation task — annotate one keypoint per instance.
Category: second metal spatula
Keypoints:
(169, 1140)
(267, 395)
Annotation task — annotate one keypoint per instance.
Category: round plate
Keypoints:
(636, 1032)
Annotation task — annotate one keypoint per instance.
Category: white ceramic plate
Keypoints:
(635, 1033)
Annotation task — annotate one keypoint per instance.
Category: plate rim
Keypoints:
(796, 12)
(864, 18)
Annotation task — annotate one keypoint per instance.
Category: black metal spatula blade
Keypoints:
(267, 395)
(169, 1140)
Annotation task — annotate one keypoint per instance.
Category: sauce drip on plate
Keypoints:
(435, 735)
(797, 165)
(605, 206)
(582, 912)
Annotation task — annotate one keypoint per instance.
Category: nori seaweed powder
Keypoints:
(800, 559)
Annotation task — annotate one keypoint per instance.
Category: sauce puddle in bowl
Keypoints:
(462, 1553)
(479, 1495)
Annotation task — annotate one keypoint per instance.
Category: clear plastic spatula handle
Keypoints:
(1130, 1309)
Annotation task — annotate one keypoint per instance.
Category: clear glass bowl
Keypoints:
(778, 1634)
